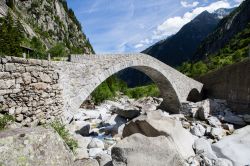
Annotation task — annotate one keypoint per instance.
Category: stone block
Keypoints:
(34, 146)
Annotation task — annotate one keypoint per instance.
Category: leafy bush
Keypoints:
(107, 90)
(4, 120)
(59, 50)
(143, 91)
(64, 133)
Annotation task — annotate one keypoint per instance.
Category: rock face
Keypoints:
(235, 148)
(52, 22)
(154, 125)
(33, 146)
(140, 150)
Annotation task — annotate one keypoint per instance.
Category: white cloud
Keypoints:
(139, 45)
(186, 4)
(238, 2)
(174, 24)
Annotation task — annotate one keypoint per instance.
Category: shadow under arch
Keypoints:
(194, 95)
(171, 101)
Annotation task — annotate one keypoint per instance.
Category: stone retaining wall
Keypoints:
(29, 90)
(231, 83)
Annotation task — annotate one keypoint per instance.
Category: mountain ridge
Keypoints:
(176, 49)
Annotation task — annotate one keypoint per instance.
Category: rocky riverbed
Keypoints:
(136, 132)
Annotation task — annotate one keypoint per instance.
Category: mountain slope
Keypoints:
(228, 44)
(49, 22)
(181, 46)
(178, 48)
(226, 30)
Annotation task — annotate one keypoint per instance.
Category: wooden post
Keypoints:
(24, 55)
(49, 58)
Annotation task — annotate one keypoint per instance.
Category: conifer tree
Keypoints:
(10, 36)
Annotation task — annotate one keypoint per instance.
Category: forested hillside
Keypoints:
(42, 26)
(228, 44)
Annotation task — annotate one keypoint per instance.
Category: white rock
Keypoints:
(19, 118)
(140, 150)
(148, 107)
(81, 153)
(154, 125)
(228, 127)
(81, 127)
(218, 133)
(104, 159)
(92, 114)
(198, 130)
(96, 143)
(214, 121)
(235, 147)
(204, 111)
(223, 162)
(95, 151)
(203, 146)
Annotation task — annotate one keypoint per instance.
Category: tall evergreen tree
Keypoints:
(10, 3)
(10, 36)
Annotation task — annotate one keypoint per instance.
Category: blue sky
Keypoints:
(114, 26)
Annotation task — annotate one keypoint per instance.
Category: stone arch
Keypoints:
(174, 86)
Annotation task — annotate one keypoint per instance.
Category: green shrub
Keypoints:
(59, 50)
(143, 91)
(4, 120)
(64, 133)
(107, 90)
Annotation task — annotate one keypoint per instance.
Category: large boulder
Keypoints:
(33, 146)
(81, 151)
(126, 111)
(141, 150)
(96, 143)
(235, 147)
(86, 162)
(232, 118)
(154, 125)
(80, 127)
(201, 145)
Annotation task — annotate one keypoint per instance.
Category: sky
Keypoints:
(123, 26)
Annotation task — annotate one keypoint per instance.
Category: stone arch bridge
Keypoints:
(39, 90)
(85, 72)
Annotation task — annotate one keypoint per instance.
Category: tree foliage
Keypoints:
(109, 88)
(11, 36)
(236, 50)
(59, 50)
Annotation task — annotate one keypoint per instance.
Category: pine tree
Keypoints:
(11, 36)
(10, 3)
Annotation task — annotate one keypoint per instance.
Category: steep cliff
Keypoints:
(231, 25)
(50, 21)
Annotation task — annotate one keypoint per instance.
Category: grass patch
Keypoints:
(4, 120)
(64, 133)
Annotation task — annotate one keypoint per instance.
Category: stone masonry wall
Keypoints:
(29, 90)
(231, 83)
